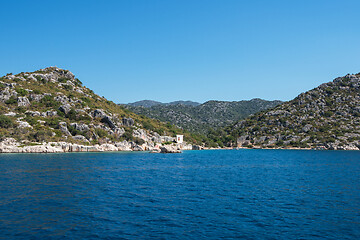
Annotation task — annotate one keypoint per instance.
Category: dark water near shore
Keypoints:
(247, 194)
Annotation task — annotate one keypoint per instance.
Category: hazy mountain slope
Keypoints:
(151, 103)
(325, 117)
(145, 103)
(212, 114)
(52, 105)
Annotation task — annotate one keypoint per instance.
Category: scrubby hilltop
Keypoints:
(326, 117)
(51, 105)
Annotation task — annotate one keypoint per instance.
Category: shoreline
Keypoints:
(45, 149)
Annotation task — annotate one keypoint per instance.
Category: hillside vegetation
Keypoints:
(204, 117)
(151, 103)
(327, 117)
(52, 105)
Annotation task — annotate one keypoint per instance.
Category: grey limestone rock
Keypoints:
(80, 138)
(33, 113)
(23, 101)
(169, 149)
(6, 94)
(63, 128)
(65, 108)
(128, 122)
(80, 126)
(98, 113)
(49, 113)
(108, 120)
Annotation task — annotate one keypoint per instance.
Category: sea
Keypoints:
(209, 194)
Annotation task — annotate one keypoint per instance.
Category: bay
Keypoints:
(213, 194)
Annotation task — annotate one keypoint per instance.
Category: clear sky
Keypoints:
(166, 50)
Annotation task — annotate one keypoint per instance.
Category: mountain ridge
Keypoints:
(151, 103)
(208, 115)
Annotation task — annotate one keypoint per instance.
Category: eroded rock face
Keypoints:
(62, 99)
(23, 124)
(65, 108)
(123, 146)
(38, 97)
(23, 101)
(6, 94)
(49, 114)
(80, 127)
(63, 128)
(33, 113)
(170, 149)
(80, 138)
(137, 147)
(128, 122)
(108, 120)
(11, 114)
(99, 113)
(119, 131)
(141, 133)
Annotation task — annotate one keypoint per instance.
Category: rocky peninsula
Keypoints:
(49, 110)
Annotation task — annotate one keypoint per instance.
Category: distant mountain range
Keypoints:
(151, 103)
(199, 118)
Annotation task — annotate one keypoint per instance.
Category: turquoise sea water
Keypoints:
(242, 194)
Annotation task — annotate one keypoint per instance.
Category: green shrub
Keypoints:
(71, 114)
(21, 91)
(21, 109)
(78, 82)
(73, 130)
(6, 122)
(31, 120)
(128, 135)
(53, 122)
(100, 132)
(42, 135)
(68, 87)
(11, 100)
(147, 125)
(62, 79)
(49, 101)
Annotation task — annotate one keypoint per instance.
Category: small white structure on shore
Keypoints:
(179, 138)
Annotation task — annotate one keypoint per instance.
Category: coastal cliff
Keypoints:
(50, 110)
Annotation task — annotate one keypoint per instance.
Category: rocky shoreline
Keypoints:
(10, 145)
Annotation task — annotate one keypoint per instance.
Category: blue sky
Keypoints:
(196, 50)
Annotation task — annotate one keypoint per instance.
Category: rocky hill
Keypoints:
(203, 117)
(327, 117)
(50, 110)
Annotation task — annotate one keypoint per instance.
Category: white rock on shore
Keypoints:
(10, 145)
